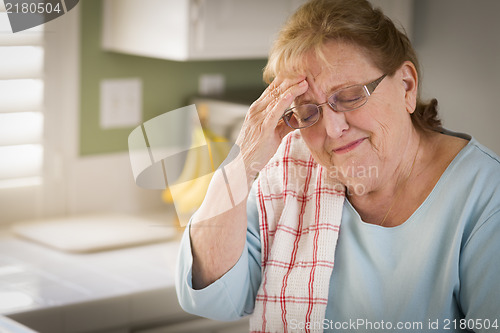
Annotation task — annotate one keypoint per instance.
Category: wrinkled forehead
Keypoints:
(334, 66)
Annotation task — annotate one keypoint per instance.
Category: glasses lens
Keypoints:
(302, 116)
(349, 98)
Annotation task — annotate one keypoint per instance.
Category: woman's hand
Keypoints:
(263, 128)
(218, 229)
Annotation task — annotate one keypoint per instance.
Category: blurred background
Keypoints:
(83, 82)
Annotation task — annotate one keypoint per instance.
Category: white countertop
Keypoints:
(52, 291)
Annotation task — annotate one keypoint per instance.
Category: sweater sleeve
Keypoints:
(479, 272)
(233, 295)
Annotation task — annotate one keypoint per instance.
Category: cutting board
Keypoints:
(92, 233)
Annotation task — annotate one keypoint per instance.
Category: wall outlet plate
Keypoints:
(121, 103)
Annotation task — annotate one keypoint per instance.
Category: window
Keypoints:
(21, 109)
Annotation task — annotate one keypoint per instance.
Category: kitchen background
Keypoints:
(457, 42)
(86, 166)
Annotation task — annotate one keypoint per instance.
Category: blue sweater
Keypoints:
(437, 272)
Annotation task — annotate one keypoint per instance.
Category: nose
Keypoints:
(334, 123)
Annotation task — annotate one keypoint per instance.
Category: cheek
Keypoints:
(376, 121)
(315, 141)
(389, 126)
(311, 137)
(372, 122)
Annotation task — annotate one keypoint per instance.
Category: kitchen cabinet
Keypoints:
(207, 29)
(194, 29)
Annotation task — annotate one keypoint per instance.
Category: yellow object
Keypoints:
(206, 154)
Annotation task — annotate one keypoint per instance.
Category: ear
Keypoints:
(409, 78)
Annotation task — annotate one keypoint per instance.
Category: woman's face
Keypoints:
(364, 146)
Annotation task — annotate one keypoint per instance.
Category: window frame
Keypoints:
(60, 132)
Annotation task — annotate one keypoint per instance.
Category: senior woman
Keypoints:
(413, 241)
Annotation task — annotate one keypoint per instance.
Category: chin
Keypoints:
(355, 172)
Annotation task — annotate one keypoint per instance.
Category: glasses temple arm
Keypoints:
(370, 87)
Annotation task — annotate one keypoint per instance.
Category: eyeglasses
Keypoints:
(343, 100)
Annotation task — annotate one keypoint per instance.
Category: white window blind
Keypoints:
(21, 104)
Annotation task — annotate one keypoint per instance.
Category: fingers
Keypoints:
(278, 96)
(262, 130)
(283, 101)
(277, 88)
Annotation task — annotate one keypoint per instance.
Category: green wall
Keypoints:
(167, 85)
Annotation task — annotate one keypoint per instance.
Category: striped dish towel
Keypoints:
(300, 209)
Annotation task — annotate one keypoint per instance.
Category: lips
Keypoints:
(348, 147)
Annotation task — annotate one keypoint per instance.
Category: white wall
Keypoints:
(458, 43)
